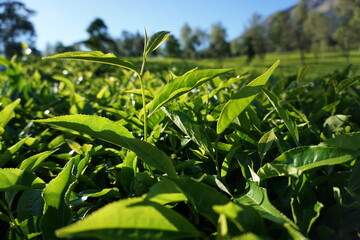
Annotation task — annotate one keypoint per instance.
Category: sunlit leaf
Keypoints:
(155, 41)
(182, 85)
(132, 218)
(94, 56)
(242, 99)
(57, 212)
(295, 161)
(115, 133)
(8, 113)
(284, 115)
(257, 197)
(13, 179)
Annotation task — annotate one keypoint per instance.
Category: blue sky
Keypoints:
(67, 20)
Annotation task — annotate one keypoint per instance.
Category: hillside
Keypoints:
(323, 6)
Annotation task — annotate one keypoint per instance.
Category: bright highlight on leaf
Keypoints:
(242, 99)
(94, 56)
(115, 133)
(133, 218)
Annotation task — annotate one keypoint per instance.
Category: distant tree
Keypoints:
(219, 47)
(188, 42)
(99, 38)
(347, 12)
(317, 28)
(172, 47)
(131, 44)
(15, 27)
(253, 41)
(281, 31)
(301, 40)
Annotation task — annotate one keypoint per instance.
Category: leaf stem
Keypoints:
(143, 88)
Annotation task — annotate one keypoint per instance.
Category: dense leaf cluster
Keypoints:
(225, 157)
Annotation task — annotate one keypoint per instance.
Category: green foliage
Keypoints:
(99, 152)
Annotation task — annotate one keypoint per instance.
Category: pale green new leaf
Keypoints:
(165, 192)
(295, 161)
(57, 212)
(32, 163)
(155, 41)
(265, 143)
(7, 155)
(182, 85)
(13, 179)
(94, 56)
(132, 218)
(8, 113)
(115, 133)
(257, 197)
(242, 99)
(284, 115)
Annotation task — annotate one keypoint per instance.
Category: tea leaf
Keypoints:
(284, 115)
(265, 143)
(57, 212)
(165, 192)
(155, 41)
(242, 99)
(115, 133)
(32, 163)
(7, 155)
(182, 85)
(8, 113)
(245, 218)
(345, 141)
(257, 197)
(202, 196)
(94, 56)
(191, 129)
(139, 219)
(13, 179)
(296, 161)
(30, 204)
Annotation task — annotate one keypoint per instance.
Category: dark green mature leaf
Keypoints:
(191, 129)
(346, 141)
(8, 113)
(305, 216)
(245, 218)
(202, 196)
(13, 179)
(354, 179)
(284, 115)
(182, 85)
(57, 212)
(94, 56)
(242, 99)
(8, 154)
(347, 83)
(295, 161)
(115, 133)
(30, 204)
(133, 218)
(257, 197)
(155, 41)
